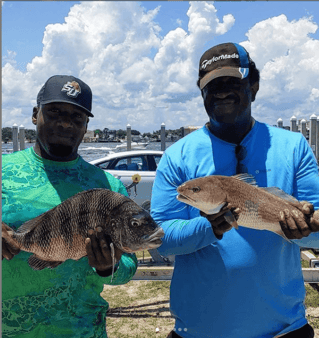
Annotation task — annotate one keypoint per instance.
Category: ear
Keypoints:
(87, 122)
(35, 115)
(254, 89)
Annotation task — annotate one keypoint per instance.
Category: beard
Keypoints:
(59, 150)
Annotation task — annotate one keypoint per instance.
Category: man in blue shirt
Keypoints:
(230, 283)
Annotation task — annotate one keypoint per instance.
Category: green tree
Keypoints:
(98, 132)
(30, 134)
(6, 134)
(135, 132)
(121, 133)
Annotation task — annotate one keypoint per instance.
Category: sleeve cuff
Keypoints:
(106, 273)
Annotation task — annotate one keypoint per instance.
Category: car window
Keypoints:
(157, 159)
(104, 165)
(133, 163)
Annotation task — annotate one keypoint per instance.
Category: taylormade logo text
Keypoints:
(205, 63)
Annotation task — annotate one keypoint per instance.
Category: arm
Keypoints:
(185, 230)
(125, 271)
(306, 187)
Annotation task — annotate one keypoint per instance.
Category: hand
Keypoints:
(99, 251)
(218, 222)
(8, 250)
(297, 225)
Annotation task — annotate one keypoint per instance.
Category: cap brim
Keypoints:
(86, 111)
(240, 73)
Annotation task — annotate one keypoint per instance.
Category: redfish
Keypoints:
(59, 234)
(259, 207)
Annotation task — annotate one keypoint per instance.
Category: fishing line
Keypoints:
(113, 259)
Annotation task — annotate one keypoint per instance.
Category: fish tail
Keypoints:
(7, 234)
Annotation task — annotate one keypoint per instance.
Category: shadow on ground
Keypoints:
(141, 311)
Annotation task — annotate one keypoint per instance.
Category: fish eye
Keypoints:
(135, 223)
(196, 189)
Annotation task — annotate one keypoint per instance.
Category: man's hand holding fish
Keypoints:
(295, 226)
(99, 251)
(223, 220)
(8, 250)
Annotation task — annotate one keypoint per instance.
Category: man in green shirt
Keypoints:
(64, 301)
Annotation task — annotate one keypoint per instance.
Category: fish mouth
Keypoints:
(159, 233)
(152, 244)
(152, 241)
(184, 198)
(155, 243)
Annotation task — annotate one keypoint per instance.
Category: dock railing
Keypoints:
(156, 270)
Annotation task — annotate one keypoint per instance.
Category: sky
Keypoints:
(141, 58)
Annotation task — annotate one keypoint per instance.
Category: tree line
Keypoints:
(120, 133)
(30, 134)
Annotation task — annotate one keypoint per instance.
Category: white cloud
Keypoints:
(140, 77)
(135, 74)
(10, 58)
(314, 94)
(286, 56)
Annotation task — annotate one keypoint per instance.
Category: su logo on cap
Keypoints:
(72, 89)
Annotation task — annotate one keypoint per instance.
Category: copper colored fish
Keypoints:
(259, 207)
(59, 234)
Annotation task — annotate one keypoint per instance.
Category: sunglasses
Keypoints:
(240, 153)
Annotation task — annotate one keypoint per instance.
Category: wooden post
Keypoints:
(303, 127)
(293, 123)
(163, 143)
(128, 137)
(280, 123)
(15, 137)
(22, 137)
(312, 133)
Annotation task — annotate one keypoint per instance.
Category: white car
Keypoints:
(133, 166)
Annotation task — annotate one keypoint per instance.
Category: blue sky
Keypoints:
(267, 29)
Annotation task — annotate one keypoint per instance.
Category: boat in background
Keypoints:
(134, 146)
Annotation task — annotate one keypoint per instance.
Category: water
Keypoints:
(91, 151)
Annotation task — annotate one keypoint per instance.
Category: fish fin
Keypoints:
(229, 217)
(280, 193)
(247, 178)
(281, 233)
(28, 225)
(39, 264)
(215, 210)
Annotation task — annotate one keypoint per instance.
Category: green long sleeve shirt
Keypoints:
(60, 302)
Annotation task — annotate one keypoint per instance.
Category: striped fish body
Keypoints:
(59, 234)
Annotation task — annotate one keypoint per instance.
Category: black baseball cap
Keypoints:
(226, 59)
(66, 88)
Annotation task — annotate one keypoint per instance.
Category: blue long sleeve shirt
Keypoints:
(248, 284)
